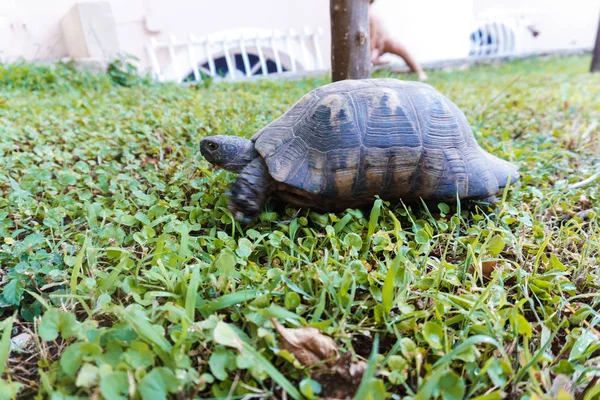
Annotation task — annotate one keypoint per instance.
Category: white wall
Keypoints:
(31, 28)
(562, 24)
(431, 29)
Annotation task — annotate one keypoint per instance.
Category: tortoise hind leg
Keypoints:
(250, 191)
(504, 171)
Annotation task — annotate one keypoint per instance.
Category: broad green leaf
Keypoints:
(430, 385)
(309, 388)
(452, 386)
(244, 361)
(115, 386)
(443, 207)
(157, 384)
(397, 362)
(495, 245)
(226, 263)
(225, 335)
(523, 326)
(13, 292)
(244, 248)
(433, 334)
(408, 348)
(292, 300)
(218, 362)
(422, 237)
(556, 264)
(88, 376)
(49, 326)
(139, 355)
(9, 390)
(70, 360)
(353, 241)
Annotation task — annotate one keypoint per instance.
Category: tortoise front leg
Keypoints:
(250, 191)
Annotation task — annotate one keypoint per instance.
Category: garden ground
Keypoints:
(123, 274)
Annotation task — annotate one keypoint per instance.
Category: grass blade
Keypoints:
(146, 330)
(77, 267)
(231, 299)
(373, 219)
(185, 239)
(192, 293)
(473, 340)
(225, 334)
(387, 291)
(5, 343)
(363, 389)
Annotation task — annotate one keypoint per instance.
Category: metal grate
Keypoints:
(236, 55)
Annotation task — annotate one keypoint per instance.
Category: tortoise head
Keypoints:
(228, 152)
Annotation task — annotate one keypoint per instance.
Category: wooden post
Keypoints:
(596, 56)
(350, 58)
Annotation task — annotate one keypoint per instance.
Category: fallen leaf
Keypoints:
(307, 344)
(21, 342)
(487, 267)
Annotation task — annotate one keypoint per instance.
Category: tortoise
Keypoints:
(346, 142)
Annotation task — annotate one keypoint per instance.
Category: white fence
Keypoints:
(244, 54)
(236, 55)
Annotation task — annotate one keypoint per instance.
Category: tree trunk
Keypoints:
(350, 52)
(596, 57)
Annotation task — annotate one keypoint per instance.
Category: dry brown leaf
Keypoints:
(487, 267)
(307, 344)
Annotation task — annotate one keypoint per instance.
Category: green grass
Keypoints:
(120, 260)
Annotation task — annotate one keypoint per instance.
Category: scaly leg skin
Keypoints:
(250, 191)
(493, 200)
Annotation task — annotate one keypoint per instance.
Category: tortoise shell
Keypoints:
(354, 139)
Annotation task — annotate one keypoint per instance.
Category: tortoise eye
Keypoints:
(212, 146)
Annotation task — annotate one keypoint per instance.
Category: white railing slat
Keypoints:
(275, 54)
(290, 49)
(245, 55)
(184, 58)
(192, 56)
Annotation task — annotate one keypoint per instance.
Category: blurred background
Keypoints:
(190, 39)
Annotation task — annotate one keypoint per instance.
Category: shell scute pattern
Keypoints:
(388, 122)
(357, 139)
